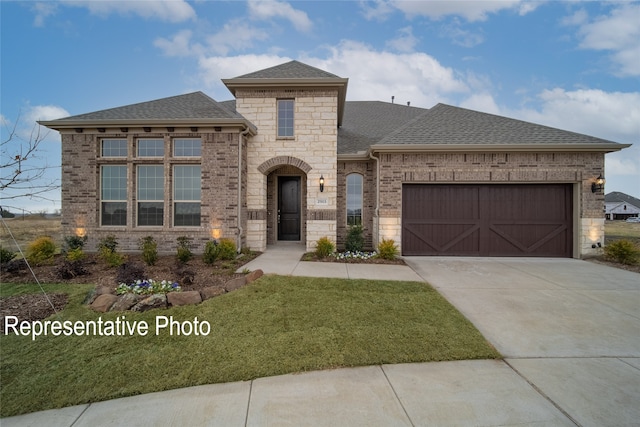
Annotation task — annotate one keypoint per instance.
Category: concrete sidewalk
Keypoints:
(570, 331)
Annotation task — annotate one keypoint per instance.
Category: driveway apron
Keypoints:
(569, 327)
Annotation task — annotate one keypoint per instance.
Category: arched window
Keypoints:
(354, 199)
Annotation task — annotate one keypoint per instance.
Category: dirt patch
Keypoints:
(31, 307)
(602, 260)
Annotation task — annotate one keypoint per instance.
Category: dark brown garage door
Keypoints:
(487, 220)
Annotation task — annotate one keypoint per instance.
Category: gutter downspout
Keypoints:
(240, 229)
(377, 211)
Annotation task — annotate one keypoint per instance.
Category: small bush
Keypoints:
(355, 239)
(107, 251)
(76, 254)
(387, 249)
(149, 250)
(15, 266)
(41, 250)
(70, 269)
(6, 255)
(623, 251)
(324, 247)
(74, 242)
(227, 249)
(210, 252)
(129, 272)
(184, 249)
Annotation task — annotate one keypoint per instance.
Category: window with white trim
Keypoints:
(150, 147)
(354, 199)
(150, 180)
(113, 147)
(285, 118)
(187, 147)
(113, 195)
(186, 195)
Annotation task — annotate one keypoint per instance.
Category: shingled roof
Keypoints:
(290, 70)
(191, 106)
(618, 197)
(451, 126)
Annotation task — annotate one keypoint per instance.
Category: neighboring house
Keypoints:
(620, 206)
(289, 159)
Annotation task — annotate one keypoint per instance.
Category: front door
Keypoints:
(288, 208)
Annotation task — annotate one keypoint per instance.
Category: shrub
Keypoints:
(41, 250)
(387, 249)
(74, 255)
(184, 249)
(622, 251)
(227, 249)
(107, 251)
(74, 242)
(324, 247)
(149, 250)
(70, 269)
(210, 252)
(6, 255)
(129, 272)
(355, 239)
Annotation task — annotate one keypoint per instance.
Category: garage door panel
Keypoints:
(487, 220)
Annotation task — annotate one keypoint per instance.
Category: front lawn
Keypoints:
(274, 326)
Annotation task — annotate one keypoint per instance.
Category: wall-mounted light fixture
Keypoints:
(321, 183)
(598, 184)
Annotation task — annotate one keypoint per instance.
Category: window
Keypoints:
(186, 196)
(150, 148)
(187, 147)
(150, 195)
(114, 148)
(354, 199)
(285, 118)
(113, 195)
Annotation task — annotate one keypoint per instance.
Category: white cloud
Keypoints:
(214, 68)
(481, 102)
(405, 42)
(378, 10)
(235, 35)
(179, 45)
(163, 10)
(469, 10)
(464, 38)
(618, 32)
(267, 9)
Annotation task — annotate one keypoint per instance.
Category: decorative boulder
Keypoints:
(211, 291)
(236, 283)
(151, 302)
(103, 302)
(125, 302)
(176, 299)
(254, 275)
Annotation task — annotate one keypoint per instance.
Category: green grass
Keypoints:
(274, 326)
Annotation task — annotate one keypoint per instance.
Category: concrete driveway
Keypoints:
(569, 327)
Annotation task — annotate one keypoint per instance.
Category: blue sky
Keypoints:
(572, 65)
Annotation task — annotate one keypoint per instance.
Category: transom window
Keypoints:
(186, 195)
(187, 147)
(354, 199)
(285, 118)
(113, 148)
(150, 148)
(113, 195)
(150, 195)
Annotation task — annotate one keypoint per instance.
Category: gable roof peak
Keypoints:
(289, 70)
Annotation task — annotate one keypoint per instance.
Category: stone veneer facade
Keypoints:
(310, 153)
(219, 184)
(577, 168)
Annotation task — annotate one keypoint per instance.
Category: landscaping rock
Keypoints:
(102, 290)
(104, 302)
(125, 302)
(254, 275)
(176, 299)
(211, 291)
(151, 302)
(236, 283)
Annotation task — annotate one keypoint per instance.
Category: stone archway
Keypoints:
(276, 162)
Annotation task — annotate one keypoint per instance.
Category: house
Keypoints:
(289, 159)
(620, 206)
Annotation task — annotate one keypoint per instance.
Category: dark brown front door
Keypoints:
(288, 208)
(487, 220)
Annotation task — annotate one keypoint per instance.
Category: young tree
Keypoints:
(22, 171)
